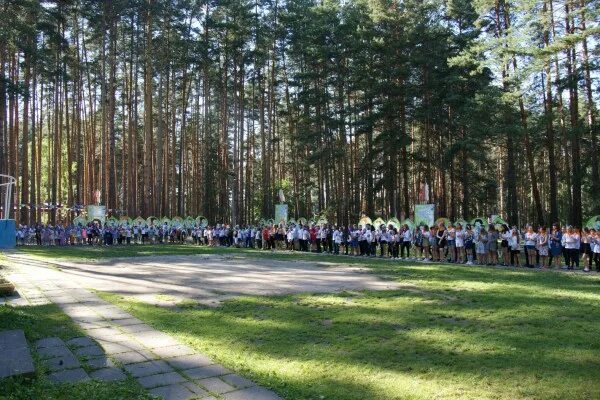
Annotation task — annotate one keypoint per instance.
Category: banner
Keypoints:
(424, 214)
(96, 212)
(281, 213)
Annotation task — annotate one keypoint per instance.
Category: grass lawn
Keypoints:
(103, 252)
(453, 332)
(44, 321)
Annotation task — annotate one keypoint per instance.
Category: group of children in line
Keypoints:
(455, 243)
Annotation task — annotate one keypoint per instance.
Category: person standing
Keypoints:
(542, 246)
(555, 245)
(369, 238)
(442, 241)
(492, 245)
(481, 239)
(586, 249)
(459, 238)
(530, 243)
(515, 250)
(426, 242)
(572, 245)
(406, 242)
(451, 237)
(504, 248)
(383, 241)
(596, 248)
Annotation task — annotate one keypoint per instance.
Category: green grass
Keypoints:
(45, 321)
(453, 333)
(103, 252)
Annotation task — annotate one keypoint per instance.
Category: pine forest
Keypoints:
(349, 107)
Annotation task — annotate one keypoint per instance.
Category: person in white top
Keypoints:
(595, 242)
(406, 241)
(572, 243)
(513, 243)
(290, 238)
(337, 240)
(305, 239)
(426, 242)
(369, 240)
(542, 246)
(530, 242)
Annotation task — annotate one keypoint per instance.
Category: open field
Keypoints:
(444, 331)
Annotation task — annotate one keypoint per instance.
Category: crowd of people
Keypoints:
(560, 247)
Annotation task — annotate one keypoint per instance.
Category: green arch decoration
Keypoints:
(364, 221)
(394, 222)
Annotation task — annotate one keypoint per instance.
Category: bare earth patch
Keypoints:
(208, 279)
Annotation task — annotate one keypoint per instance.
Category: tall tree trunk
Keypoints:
(147, 166)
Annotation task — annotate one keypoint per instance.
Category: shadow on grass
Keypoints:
(547, 346)
(46, 321)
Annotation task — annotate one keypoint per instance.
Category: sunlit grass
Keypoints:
(451, 332)
(454, 333)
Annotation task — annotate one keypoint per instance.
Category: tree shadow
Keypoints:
(501, 336)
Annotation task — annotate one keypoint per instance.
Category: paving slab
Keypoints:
(148, 368)
(111, 312)
(253, 393)
(89, 351)
(14, 354)
(93, 325)
(19, 302)
(127, 322)
(108, 374)
(12, 339)
(60, 363)
(190, 361)
(99, 362)
(107, 334)
(83, 341)
(160, 380)
(69, 376)
(155, 339)
(216, 385)
(132, 357)
(122, 347)
(133, 329)
(16, 361)
(51, 352)
(238, 381)
(173, 351)
(206, 372)
(173, 392)
(197, 390)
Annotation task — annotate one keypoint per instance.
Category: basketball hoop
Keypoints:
(6, 184)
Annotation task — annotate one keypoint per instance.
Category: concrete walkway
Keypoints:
(166, 367)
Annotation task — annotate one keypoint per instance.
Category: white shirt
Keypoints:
(337, 237)
(513, 242)
(407, 235)
(572, 241)
(460, 238)
(530, 239)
